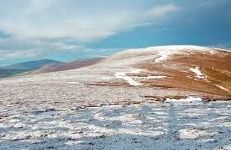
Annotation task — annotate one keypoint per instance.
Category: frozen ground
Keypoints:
(157, 125)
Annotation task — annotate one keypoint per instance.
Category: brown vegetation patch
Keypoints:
(216, 68)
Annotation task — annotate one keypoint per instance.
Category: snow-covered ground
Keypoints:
(169, 125)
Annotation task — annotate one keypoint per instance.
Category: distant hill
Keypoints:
(43, 66)
(66, 66)
(19, 68)
(31, 65)
(9, 72)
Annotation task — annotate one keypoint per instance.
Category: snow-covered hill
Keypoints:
(195, 70)
(192, 68)
(136, 99)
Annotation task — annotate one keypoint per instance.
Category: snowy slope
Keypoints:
(193, 68)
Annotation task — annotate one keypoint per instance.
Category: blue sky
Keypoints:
(67, 30)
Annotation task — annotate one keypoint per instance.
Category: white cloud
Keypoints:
(6, 54)
(14, 49)
(49, 20)
(39, 28)
(161, 11)
(38, 6)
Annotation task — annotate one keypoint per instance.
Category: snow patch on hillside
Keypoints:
(170, 48)
(164, 52)
(157, 54)
(164, 55)
(223, 88)
(152, 77)
(130, 80)
(198, 73)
